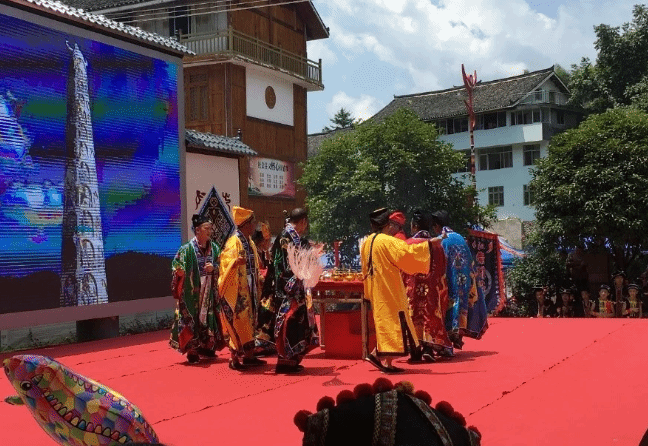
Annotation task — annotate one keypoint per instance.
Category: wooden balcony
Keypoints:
(233, 44)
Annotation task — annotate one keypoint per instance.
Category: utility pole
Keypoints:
(469, 82)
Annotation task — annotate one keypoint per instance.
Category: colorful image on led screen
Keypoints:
(89, 170)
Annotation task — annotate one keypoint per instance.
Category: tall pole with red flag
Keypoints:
(469, 82)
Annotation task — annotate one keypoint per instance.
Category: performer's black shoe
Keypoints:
(416, 356)
(457, 342)
(193, 357)
(376, 362)
(393, 369)
(445, 354)
(428, 357)
(234, 364)
(253, 361)
(206, 352)
(282, 368)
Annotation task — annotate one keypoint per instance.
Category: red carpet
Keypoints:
(527, 382)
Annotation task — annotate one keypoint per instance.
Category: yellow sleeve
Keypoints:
(228, 269)
(411, 259)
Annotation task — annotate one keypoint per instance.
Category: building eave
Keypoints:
(99, 24)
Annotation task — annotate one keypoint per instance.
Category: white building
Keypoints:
(515, 120)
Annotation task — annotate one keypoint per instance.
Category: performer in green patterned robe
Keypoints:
(196, 329)
(296, 332)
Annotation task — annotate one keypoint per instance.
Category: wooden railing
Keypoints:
(233, 43)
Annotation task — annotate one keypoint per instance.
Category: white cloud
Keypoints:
(419, 45)
(319, 49)
(494, 36)
(361, 107)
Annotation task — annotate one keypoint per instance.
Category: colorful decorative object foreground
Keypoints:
(72, 409)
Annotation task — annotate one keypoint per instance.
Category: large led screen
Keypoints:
(89, 170)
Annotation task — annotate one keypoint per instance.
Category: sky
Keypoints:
(381, 48)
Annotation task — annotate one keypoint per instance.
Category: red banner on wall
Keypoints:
(271, 178)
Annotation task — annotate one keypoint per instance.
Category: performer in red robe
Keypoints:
(428, 297)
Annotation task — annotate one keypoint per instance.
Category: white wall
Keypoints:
(256, 84)
(205, 171)
(512, 179)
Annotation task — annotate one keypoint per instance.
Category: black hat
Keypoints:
(618, 273)
(197, 220)
(384, 411)
(538, 287)
(565, 291)
(440, 218)
(380, 217)
(634, 286)
(419, 219)
(605, 287)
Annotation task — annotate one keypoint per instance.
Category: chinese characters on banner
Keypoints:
(271, 178)
(219, 213)
(485, 249)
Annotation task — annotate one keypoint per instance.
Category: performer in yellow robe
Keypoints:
(383, 258)
(239, 285)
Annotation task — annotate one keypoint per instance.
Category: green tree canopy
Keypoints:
(562, 74)
(592, 188)
(341, 120)
(543, 265)
(621, 62)
(398, 163)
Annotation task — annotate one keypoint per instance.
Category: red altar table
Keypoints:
(343, 340)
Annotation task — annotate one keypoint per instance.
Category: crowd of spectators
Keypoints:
(620, 298)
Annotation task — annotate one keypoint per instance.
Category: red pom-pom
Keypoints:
(301, 419)
(382, 385)
(424, 396)
(475, 430)
(459, 418)
(344, 397)
(405, 387)
(445, 408)
(326, 402)
(363, 389)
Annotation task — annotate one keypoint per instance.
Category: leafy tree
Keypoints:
(638, 94)
(398, 163)
(543, 265)
(592, 188)
(621, 61)
(562, 74)
(341, 120)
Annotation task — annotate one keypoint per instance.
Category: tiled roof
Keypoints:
(315, 140)
(493, 95)
(217, 143)
(98, 5)
(315, 28)
(105, 22)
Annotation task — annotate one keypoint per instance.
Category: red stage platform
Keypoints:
(527, 382)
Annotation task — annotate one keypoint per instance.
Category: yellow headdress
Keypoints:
(241, 215)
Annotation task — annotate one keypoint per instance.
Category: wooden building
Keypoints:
(249, 78)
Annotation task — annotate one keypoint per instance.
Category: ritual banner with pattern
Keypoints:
(214, 208)
(485, 249)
